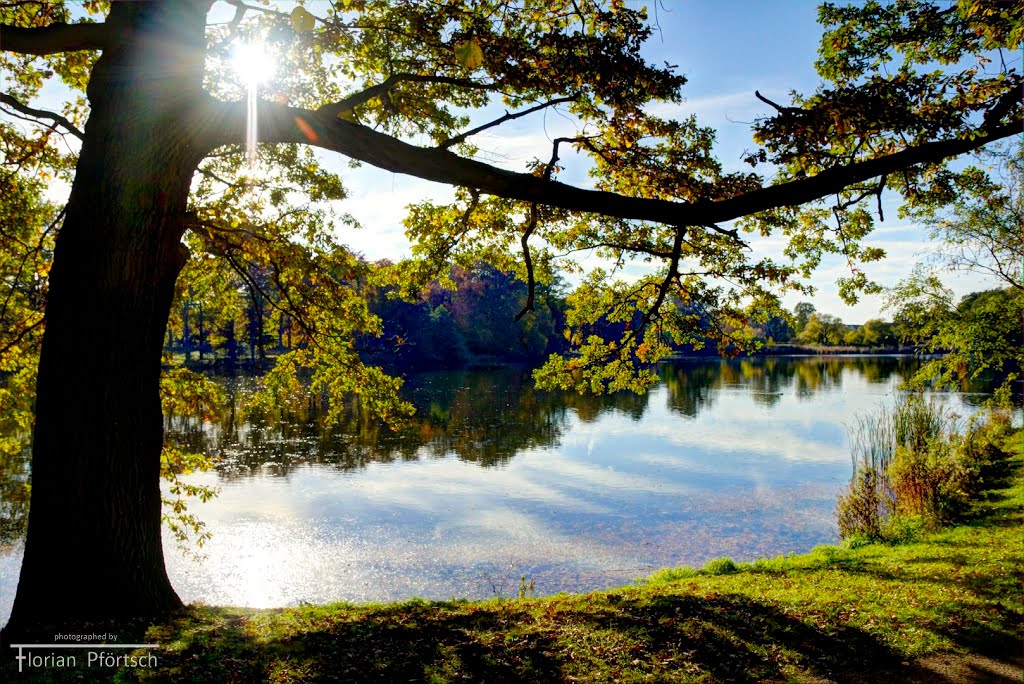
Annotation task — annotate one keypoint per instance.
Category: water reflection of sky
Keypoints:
(743, 466)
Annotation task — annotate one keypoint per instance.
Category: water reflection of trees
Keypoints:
(14, 491)
(484, 417)
(689, 385)
(487, 417)
(693, 384)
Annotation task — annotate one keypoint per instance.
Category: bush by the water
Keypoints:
(917, 466)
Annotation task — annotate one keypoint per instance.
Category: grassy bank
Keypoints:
(863, 614)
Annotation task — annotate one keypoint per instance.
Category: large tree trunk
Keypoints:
(93, 550)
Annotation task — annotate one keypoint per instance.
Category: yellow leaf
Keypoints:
(469, 54)
(302, 21)
(348, 115)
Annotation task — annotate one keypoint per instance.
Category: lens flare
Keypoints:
(255, 65)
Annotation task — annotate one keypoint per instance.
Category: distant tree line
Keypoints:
(807, 326)
(472, 320)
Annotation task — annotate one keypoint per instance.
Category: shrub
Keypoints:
(668, 575)
(984, 443)
(914, 470)
(721, 566)
(931, 482)
(866, 504)
(901, 529)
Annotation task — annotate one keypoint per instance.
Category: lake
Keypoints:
(493, 481)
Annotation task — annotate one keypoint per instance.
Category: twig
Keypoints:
(500, 120)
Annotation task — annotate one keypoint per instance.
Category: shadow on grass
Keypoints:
(598, 638)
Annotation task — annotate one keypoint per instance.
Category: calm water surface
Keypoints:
(494, 481)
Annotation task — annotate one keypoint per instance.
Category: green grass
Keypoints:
(838, 614)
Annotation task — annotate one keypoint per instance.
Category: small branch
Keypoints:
(30, 252)
(586, 142)
(579, 13)
(530, 282)
(779, 108)
(20, 336)
(59, 37)
(500, 120)
(1002, 106)
(673, 270)
(844, 205)
(639, 249)
(335, 109)
(255, 289)
(731, 233)
(470, 208)
(240, 9)
(213, 176)
(442, 253)
(878, 196)
(41, 114)
(662, 289)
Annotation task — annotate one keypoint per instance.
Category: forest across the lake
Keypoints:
(473, 318)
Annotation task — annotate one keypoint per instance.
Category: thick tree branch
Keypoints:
(46, 40)
(832, 180)
(41, 114)
(352, 101)
(224, 123)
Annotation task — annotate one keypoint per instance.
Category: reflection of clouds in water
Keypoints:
(268, 563)
(387, 533)
(605, 480)
(264, 563)
(617, 499)
(791, 429)
(770, 440)
(439, 485)
(679, 454)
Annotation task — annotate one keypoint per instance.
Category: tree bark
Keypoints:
(93, 549)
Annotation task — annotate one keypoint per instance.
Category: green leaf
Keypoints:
(469, 54)
(302, 21)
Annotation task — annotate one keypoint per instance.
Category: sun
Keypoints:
(254, 63)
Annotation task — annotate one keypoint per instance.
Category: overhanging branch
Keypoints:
(58, 37)
(224, 123)
(41, 114)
